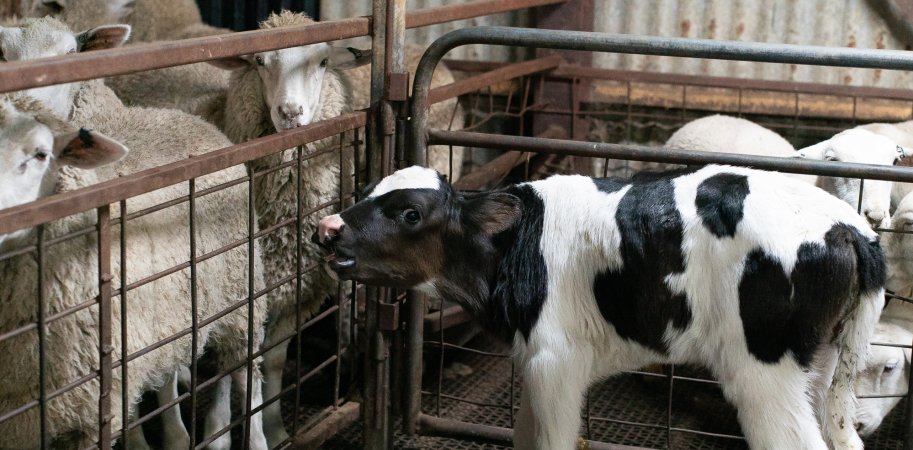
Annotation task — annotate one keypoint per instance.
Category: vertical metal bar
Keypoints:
(908, 431)
(124, 372)
(669, 410)
(859, 203)
(251, 292)
(299, 291)
(194, 313)
(42, 344)
(739, 110)
(105, 348)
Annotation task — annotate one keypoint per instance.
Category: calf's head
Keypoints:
(412, 227)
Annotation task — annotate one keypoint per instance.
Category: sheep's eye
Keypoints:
(830, 158)
(71, 51)
(40, 155)
(324, 62)
(890, 366)
(411, 216)
(259, 60)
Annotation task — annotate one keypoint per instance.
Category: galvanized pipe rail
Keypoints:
(415, 420)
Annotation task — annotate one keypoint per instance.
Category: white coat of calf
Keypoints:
(727, 134)
(719, 266)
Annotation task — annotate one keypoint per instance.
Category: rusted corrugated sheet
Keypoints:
(844, 23)
(334, 9)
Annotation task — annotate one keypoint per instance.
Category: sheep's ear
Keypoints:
(348, 57)
(103, 37)
(54, 6)
(817, 151)
(231, 63)
(86, 149)
(493, 213)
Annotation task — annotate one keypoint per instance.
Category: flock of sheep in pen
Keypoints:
(143, 121)
(148, 119)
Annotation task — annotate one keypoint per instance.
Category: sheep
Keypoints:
(886, 374)
(152, 20)
(39, 38)
(257, 106)
(719, 266)
(197, 89)
(902, 134)
(156, 311)
(157, 136)
(888, 369)
(719, 133)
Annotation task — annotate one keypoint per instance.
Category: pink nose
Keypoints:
(329, 227)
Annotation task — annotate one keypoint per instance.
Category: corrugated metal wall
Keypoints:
(335, 9)
(844, 23)
(241, 15)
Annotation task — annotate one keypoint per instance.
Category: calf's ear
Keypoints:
(493, 213)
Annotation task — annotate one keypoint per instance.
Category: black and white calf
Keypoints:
(772, 284)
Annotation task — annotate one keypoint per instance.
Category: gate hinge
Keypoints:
(397, 86)
(388, 316)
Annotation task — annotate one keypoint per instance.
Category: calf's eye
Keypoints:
(411, 216)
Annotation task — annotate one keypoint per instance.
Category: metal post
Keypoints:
(105, 348)
(569, 15)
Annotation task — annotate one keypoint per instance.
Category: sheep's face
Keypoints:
(898, 246)
(31, 152)
(46, 37)
(35, 41)
(293, 79)
(885, 374)
(864, 147)
(26, 151)
(292, 82)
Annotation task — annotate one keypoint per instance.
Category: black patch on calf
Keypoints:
(764, 305)
(610, 185)
(635, 299)
(521, 278)
(823, 288)
(720, 201)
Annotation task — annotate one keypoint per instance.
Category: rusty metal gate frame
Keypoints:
(415, 421)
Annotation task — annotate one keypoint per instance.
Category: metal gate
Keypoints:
(485, 412)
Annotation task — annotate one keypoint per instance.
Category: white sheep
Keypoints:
(263, 98)
(727, 134)
(36, 169)
(152, 20)
(197, 89)
(156, 136)
(888, 369)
